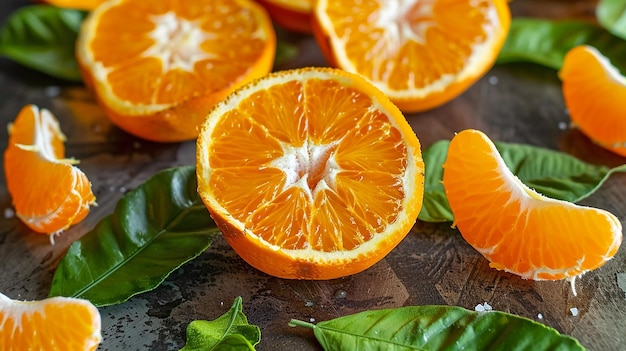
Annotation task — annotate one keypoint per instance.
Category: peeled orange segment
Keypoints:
(595, 95)
(157, 68)
(421, 53)
(294, 15)
(49, 193)
(310, 173)
(515, 228)
(58, 323)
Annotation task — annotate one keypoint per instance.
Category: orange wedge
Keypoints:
(49, 193)
(157, 68)
(293, 15)
(420, 53)
(517, 229)
(58, 323)
(595, 95)
(310, 173)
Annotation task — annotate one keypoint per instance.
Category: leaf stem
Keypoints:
(299, 323)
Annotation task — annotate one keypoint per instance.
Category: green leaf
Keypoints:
(230, 331)
(437, 328)
(154, 229)
(611, 14)
(551, 173)
(43, 38)
(546, 42)
(285, 51)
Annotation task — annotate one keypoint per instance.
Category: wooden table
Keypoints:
(433, 265)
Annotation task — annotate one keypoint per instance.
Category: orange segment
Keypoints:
(157, 68)
(310, 173)
(48, 192)
(58, 323)
(420, 53)
(595, 95)
(515, 228)
(294, 15)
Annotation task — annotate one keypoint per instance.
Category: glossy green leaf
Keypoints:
(43, 38)
(154, 229)
(551, 173)
(546, 42)
(611, 14)
(229, 332)
(437, 328)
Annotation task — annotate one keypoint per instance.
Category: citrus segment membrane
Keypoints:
(313, 164)
(48, 192)
(58, 323)
(517, 229)
(595, 95)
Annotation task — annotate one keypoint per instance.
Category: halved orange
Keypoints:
(57, 323)
(421, 53)
(294, 15)
(74, 4)
(517, 229)
(157, 68)
(595, 95)
(310, 173)
(49, 193)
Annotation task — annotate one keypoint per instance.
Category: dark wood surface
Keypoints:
(433, 265)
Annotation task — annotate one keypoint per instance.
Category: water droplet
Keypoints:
(341, 294)
(52, 91)
(309, 304)
(540, 316)
(122, 189)
(111, 188)
(493, 80)
(312, 320)
(9, 213)
(574, 311)
(562, 125)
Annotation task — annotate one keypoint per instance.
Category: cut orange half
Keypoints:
(310, 173)
(49, 193)
(58, 323)
(595, 95)
(157, 68)
(421, 53)
(293, 15)
(515, 228)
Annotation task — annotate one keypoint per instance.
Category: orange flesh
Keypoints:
(52, 324)
(595, 94)
(202, 34)
(516, 229)
(326, 168)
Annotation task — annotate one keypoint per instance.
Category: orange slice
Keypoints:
(49, 193)
(294, 15)
(310, 173)
(595, 95)
(157, 68)
(421, 53)
(58, 323)
(517, 229)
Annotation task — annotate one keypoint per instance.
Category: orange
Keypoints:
(294, 15)
(310, 173)
(53, 324)
(421, 53)
(595, 95)
(158, 67)
(75, 4)
(517, 229)
(49, 193)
